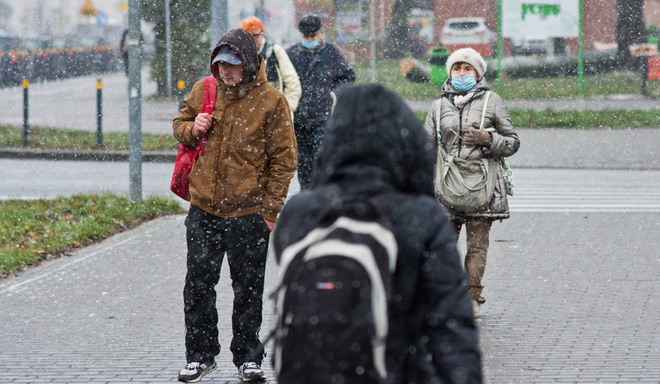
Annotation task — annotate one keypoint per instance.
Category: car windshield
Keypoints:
(33, 44)
(464, 25)
(5, 43)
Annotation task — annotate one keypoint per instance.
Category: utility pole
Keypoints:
(261, 10)
(219, 22)
(168, 47)
(372, 38)
(40, 18)
(134, 101)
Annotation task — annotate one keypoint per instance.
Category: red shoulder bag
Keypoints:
(186, 154)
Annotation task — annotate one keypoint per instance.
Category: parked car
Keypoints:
(40, 58)
(470, 32)
(530, 46)
(12, 58)
(37, 64)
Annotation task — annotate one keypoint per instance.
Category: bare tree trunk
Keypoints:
(629, 29)
(397, 36)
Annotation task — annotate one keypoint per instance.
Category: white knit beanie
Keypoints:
(470, 56)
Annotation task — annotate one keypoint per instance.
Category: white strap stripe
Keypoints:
(380, 233)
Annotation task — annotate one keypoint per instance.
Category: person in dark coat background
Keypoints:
(375, 146)
(322, 69)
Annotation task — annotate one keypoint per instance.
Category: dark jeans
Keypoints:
(309, 140)
(245, 240)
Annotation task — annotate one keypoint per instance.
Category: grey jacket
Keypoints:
(455, 119)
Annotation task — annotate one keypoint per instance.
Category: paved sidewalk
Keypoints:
(570, 300)
(109, 313)
(572, 297)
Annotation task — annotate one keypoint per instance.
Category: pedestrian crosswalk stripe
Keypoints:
(586, 191)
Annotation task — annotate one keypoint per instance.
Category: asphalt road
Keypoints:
(72, 103)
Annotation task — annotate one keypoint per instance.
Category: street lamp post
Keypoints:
(219, 22)
(372, 33)
(168, 47)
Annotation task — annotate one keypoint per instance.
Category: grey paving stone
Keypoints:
(569, 300)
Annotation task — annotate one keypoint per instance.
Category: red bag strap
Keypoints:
(210, 87)
(208, 103)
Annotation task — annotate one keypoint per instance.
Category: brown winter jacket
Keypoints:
(251, 153)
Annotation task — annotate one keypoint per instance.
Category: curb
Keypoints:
(84, 155)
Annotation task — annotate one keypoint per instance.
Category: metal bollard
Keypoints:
(181, 84)
(99, 113)
(26, 110)
(644, 61)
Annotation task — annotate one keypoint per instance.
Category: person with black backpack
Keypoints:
(371, 286)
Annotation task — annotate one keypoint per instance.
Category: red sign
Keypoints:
(654, 68)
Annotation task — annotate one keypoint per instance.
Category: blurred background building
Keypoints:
(28, 18)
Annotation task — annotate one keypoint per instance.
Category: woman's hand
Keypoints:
(477, 136)
(203, 122)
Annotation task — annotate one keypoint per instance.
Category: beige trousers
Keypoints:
(477, 232)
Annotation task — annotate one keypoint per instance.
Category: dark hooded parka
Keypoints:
(375, 146)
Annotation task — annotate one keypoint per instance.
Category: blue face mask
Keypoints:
(310, 44)
(463, 83)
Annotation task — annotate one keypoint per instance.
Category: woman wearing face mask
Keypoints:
(454, 122)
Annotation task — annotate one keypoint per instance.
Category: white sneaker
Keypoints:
(193, 372)
(251, 372)
(475, 308)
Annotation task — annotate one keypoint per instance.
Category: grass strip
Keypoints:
(60, 138)
(610, 83)
(607, 118)
(35, 230)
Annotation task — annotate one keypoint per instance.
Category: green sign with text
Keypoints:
(540, 18)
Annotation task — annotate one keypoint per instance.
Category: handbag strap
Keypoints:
(208, 100)
(438, 114)
(483, 111)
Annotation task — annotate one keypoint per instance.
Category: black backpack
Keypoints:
(332, 302)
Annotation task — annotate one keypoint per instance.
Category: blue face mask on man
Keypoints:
(463, 83)
(310, 44)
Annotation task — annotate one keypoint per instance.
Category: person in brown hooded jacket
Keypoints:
(237, 189)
